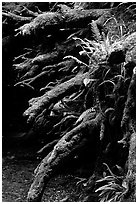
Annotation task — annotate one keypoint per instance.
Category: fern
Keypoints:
(112, 187)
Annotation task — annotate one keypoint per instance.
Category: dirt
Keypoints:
(18, 165)
(16, 179)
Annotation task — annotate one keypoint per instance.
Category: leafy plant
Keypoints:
(112, 188)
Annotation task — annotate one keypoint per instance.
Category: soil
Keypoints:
(17, 178)
(18, 165)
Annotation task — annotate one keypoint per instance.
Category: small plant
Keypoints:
(112, 188)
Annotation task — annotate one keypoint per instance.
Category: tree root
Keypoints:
(17, 18)
(57, 93)
(129, 111)
(61, 151)
(51, 20)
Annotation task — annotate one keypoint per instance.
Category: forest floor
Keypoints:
(18, 165)
(17, 178)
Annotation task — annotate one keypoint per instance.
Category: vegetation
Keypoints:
(75, 63)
